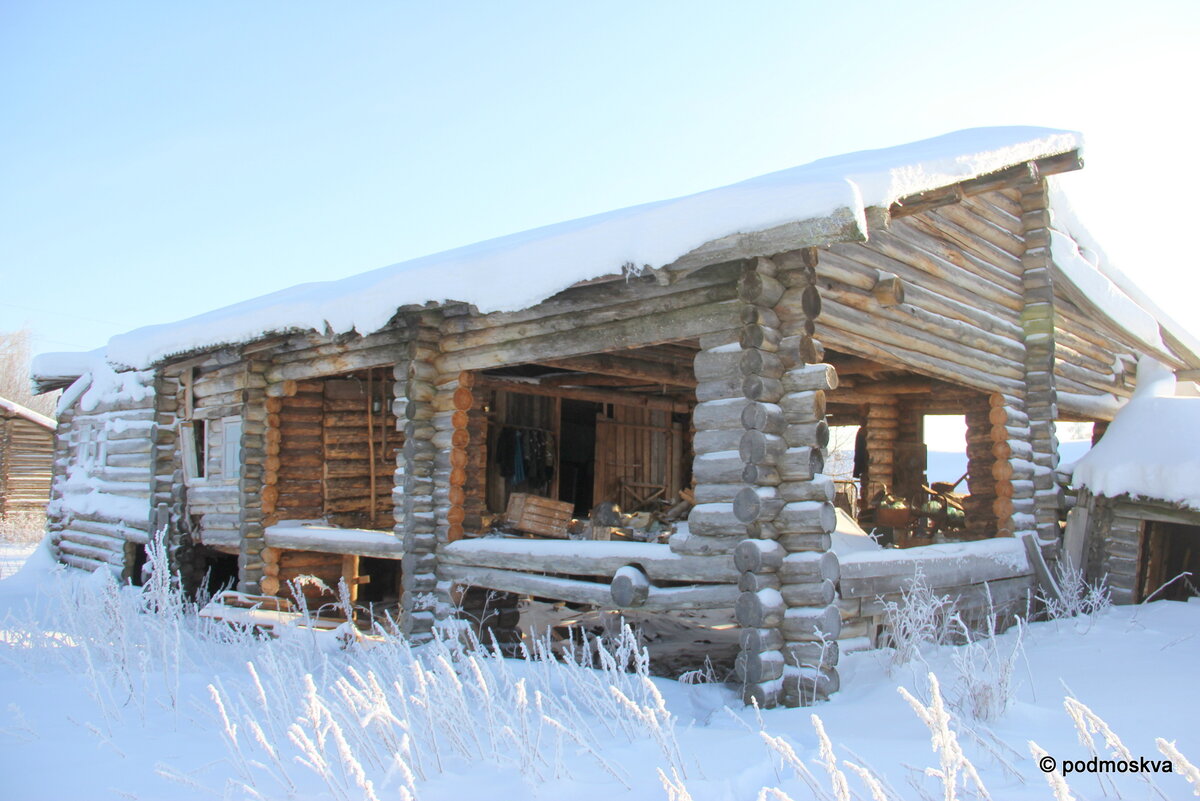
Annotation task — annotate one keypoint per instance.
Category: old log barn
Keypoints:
(26, 453)
(1138, 520)
(683, 361)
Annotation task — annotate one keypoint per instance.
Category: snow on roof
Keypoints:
(13, 408)
(1152, 447)
(549, 259)
(1083, 262)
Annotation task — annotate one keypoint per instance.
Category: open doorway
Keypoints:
(1169, 550)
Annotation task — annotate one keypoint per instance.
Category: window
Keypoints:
(211, 449)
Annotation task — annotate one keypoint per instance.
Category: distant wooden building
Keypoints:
(1137, 522)
(26, 455)
(368, 429)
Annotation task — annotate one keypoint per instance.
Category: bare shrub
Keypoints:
(15, 352)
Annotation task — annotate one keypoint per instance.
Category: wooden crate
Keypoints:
(885, 516)
(539, 515)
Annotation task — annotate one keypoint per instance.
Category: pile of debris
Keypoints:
(531, 515)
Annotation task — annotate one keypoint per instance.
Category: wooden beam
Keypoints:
(623, 367)
(587, 380)
(1001, 179)
(572, 558)
(855, 365)
(663, 402)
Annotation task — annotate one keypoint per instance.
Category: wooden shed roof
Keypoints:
(13, 409)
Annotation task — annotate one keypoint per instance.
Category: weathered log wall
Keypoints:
(593, 319)
(26, 456)
(210, 397)
(1116, 548)
(104, 478)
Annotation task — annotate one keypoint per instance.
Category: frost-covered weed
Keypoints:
(919, 619)
(954, 767)
(986, 671)
(1076, 596)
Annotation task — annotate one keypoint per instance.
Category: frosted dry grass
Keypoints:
(379, 719)
(1078, 598)
(920, 619)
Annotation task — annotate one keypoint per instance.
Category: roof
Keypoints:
(819, 203)
(13, 409)
(1152, 447)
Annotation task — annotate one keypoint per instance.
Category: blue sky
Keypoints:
(163, 159)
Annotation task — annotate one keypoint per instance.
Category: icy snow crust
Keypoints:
(1152, 448)
(519, 270)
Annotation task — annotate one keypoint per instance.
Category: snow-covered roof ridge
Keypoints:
(14, 408)
(554, 257)
(1152, 448)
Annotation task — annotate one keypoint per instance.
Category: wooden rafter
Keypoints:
(644, 370)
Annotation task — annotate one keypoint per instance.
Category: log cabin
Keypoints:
(370, 428)
(26, 454)
(1136, 523)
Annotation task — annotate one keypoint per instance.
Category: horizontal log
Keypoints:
(809, 624)
(664, 403)
(819, 593)
(704, 545)
(758, 666)
(585, 592)
(635, 332)
(762, 609)
(820, 488)
(590, 559)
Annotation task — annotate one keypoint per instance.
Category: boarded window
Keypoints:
(231, 448)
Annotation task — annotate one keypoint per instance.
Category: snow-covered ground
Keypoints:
(101, 701)
(13, 556)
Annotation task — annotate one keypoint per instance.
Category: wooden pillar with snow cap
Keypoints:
(422, 604)
(1038, 324)
(253, 457)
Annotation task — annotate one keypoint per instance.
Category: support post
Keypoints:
(1041, 397)
(422, 604)
(250, 480)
